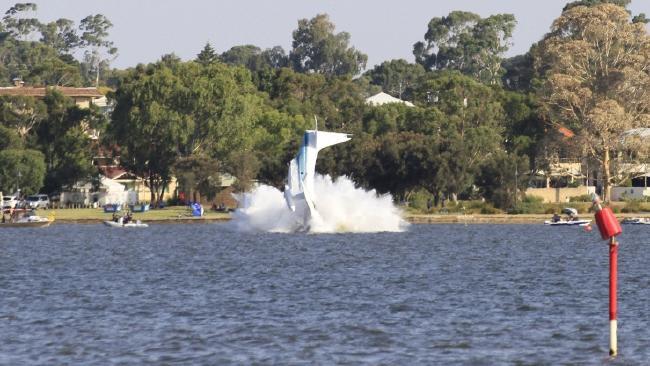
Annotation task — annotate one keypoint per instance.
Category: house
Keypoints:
(89, 194)
(563, 179)
(83, 97)
(383, 98)
(135, 186)
(569, 177)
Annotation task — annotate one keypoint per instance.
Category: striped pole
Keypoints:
(613, 269)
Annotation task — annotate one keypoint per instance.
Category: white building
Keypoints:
(383, 98)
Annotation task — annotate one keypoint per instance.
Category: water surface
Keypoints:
(203, 294)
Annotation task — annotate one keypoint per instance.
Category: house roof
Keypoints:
(383, 98)
(111, 172)
(29, 91)
(565, 132)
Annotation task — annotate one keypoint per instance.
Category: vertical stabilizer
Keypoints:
(325, 139)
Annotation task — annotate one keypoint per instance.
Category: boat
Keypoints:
(137, 223)
(299, 189)
(636, 221)
(571, 219)
(26, 218)
(567, 222)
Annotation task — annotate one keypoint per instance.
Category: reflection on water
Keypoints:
(205, 294)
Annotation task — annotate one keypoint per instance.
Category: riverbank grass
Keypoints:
(163, 214)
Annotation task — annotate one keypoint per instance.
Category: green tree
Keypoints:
(275, 57)
(64, 141)
(23, 169)
(640, 18)
(396, 77)
(502, 179)
(9, 139)
(472, 129)
(149, 126)
(524, 127)
(198, 175)
(244, 165)
(520, 73)
(16, 21)
(207, 55)
(21, 113)
(172, 110)
(99, 50)
(316, 48)
(621, 3)
(597, 81)
(277, 143)
(248, 56)
(60, 35)
(254, 58)
(401, 163)
(466, 42)
(37, 64)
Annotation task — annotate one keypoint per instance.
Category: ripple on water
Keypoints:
(204, 294)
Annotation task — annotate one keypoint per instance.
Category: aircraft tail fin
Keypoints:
(325, 139)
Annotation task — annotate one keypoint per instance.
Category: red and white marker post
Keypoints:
(609, 228)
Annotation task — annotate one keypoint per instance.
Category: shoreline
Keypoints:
(411, 218)
(181, 220)
(498, 218)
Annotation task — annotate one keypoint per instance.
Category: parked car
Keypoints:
(38, 201)
(9, 201)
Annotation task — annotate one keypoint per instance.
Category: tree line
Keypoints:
(481, 122)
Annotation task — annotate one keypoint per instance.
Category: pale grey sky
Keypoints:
(144, 30)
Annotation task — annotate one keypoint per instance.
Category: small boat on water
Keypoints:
(25, 218)
(636, 221)
(124, 221)
(567, 223)
(571, 219)
(137, 223)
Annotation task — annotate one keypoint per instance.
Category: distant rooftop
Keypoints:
(29, 91)
(383, 98)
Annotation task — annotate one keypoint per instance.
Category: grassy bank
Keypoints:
(494, 218)
(172, 213)
(182, 214)
(525, 207)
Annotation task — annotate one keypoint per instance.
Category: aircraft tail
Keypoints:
(298, 191)
(325, 139)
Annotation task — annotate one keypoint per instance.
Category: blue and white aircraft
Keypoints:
(299, 190)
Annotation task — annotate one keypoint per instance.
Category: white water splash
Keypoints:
(342, 208)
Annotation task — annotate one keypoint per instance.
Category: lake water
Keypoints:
(203, 294)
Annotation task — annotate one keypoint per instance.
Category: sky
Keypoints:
(144, 30)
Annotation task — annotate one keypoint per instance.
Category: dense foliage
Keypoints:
(477, 130)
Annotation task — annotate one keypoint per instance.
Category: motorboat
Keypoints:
(25, 218)
(119, 223)
(571, 219)
(636, 221)
(567, 222)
